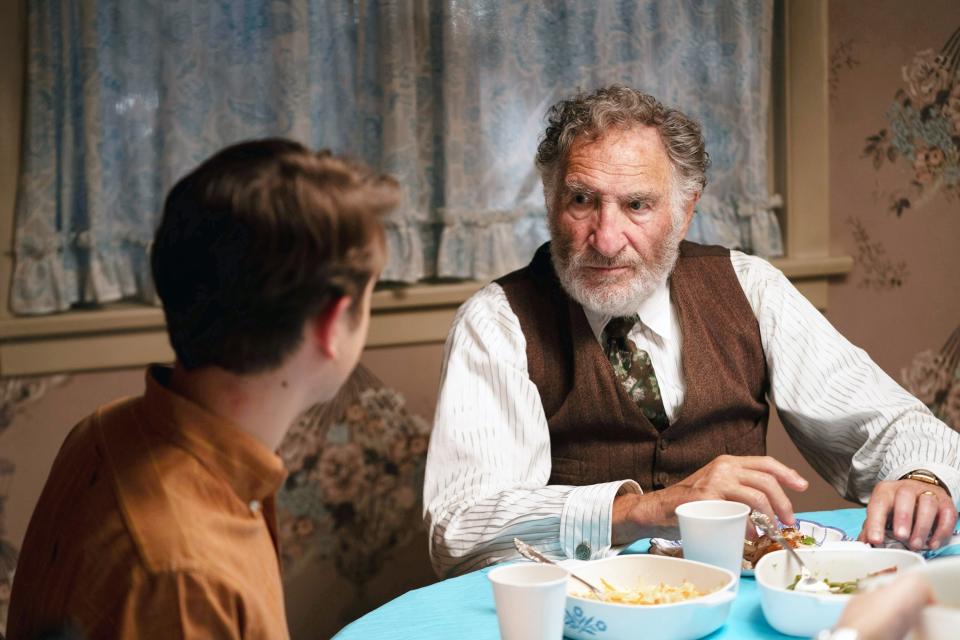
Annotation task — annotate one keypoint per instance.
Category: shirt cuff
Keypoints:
(587, 519)
(949, 476)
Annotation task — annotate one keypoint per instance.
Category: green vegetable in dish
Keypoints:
(849, 586)
(808, 540)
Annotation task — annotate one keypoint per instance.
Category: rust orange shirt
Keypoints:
(156, 521)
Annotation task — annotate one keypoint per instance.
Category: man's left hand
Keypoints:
(913, 508)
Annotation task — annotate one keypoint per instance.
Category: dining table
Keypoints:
(462, 607)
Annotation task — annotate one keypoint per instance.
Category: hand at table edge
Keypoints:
(913, 508)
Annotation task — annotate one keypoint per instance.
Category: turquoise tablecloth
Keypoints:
(462, 607)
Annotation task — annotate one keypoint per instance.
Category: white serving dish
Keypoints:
(804, 614)
(586, 619)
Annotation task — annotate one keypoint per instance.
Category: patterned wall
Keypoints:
(15, 393)
(895, 189)
(352, 502)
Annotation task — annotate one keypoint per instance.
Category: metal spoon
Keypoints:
(807, 582)
(530, 553)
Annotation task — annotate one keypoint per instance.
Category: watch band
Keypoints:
(928, 477)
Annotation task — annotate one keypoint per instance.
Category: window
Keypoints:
(132, 334)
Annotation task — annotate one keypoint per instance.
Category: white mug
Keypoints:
(942, 620)
(712, 532)
(530, 599)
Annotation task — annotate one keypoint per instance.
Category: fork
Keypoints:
(530, 553)
(763, 521)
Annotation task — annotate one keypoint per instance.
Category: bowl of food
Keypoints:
(842, 572)
(666, 598)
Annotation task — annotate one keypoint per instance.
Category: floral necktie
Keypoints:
(634, 370)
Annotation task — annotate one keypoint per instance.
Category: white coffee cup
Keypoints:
(942, 620)
(712, 532)
(530, 599)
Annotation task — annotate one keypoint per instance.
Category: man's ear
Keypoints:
(327, 326)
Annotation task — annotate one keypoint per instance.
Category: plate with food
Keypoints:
(805, 534)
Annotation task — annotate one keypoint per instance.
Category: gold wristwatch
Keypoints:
(922, 475)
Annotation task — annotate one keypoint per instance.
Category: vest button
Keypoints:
(661, 479)
(583, 551)
(663, 444)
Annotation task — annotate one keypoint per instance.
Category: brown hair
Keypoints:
(255, 241)
(618, 106)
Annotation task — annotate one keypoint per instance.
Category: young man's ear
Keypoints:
(327, 326)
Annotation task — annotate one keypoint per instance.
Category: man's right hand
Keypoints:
(757, 481)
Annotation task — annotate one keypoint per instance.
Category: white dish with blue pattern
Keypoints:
(588, 619)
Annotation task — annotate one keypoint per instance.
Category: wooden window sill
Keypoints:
(128, 335)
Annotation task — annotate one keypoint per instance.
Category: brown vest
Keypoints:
(597, 433)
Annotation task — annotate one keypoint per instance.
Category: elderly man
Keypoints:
(625, 371)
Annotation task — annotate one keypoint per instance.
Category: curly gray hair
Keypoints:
(618, 106)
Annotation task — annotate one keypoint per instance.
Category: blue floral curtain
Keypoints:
(124, 97)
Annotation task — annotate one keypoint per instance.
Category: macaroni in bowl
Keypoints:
(648, 594)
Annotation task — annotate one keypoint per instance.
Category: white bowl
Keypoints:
(587, 619)
(797, 613)
(942, 620)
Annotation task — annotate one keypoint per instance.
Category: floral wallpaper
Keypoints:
(843, 57)
(8, 552)
(878, 270)
(15, 393)
(353, 495)
(923, 135)
(934, 377)
(924, 128)
(894, 75)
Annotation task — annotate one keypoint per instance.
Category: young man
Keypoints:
(157, 520)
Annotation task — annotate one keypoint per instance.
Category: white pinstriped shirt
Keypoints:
(489, 457)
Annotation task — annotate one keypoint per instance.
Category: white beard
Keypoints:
(621, 298)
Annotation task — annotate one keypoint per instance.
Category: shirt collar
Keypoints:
(654, 312)
(253, 471)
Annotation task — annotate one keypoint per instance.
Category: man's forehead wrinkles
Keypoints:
(601, 182)
(598, 170)
(609, 166)
(639, 191)
(584, 175)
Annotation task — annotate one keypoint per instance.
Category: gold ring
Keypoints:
(927, 493)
